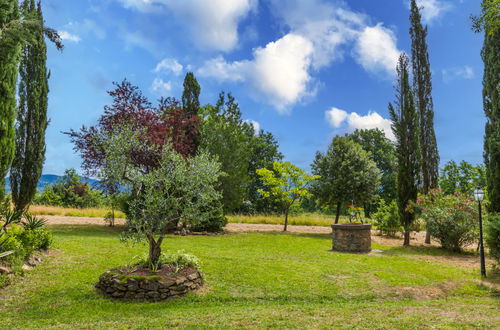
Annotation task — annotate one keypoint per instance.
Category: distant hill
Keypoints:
(48, 179)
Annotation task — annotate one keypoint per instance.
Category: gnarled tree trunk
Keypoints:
(154, 251)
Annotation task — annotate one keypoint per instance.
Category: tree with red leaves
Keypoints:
(156, 126)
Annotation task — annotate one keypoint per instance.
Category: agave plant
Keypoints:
(32, 222)
(8, 216)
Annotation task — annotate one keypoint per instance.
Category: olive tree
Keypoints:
(177, 191)
(287, 184)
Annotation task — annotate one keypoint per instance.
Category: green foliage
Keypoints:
(191, 94)
(32, 222)
(383, 153)
(422, 87)
(386, 219)
(348, 174)
(32, 114)
(405, 125)
(9, 57)
(176, 193)
(491, 105)
(452, 219)
(264, 153)
(461, 177)
(179, 260)
(287, 184)
(225, 135)
(493, 237)
(70, 191)
(489, 20)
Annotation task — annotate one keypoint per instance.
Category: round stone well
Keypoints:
(352, 237)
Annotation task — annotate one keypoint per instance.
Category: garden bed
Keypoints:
(141, 284)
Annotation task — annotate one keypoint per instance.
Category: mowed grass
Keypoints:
(253, 280)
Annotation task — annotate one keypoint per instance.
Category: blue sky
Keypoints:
(305, 70)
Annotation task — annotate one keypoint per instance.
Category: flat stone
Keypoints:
(27, 267)
(180, 280)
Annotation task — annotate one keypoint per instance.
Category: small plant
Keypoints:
(32, 222)
(386, 219)
(179, 260)
(8, 216)
(355, 213)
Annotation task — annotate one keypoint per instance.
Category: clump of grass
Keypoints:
(304, 219)
(73, 212)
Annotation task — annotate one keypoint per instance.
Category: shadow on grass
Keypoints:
(86, 230)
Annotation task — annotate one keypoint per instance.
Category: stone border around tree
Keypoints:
(115, 284)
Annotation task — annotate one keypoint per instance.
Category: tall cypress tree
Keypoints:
(32, 114)
(491, 104)
(422, 87)
(191, 103)
(9, 57)
(191, 94)
(405, 125)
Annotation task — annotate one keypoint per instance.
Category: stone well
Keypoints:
(352, 237)
(115, 284)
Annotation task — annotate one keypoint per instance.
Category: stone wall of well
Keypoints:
(351, 237)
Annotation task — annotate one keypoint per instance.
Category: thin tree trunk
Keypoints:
(337, 216)
(406, 238)
(154, 251)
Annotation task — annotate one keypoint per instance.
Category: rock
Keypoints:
(27, 267)
(193, 276)
(118, 294)
(5, 270)
(180, 280)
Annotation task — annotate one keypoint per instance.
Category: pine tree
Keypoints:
(405, 125)
(9, 57)
(32, 114)
(422, 86)
(491, 104)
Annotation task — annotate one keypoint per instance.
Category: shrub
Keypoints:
(386, 219)
(9, 242)
(452, 219)
(179, 260)
(493, 236)
(214, 223)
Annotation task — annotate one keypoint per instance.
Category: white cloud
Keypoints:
(161, 87)
(66, 36)
(255, 125)
(338, 117)
(376, 50)
(432, 9)
(464, 72)
(88, 28)
(278, 72)
(213, 24)
(169, 64)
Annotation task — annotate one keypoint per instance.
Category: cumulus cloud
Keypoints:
(376, 50)
(169, 65)
(213, 24)
(66, 36)
(279, 71)
(161, 87)
(432, 9)
(337, 118)
(464, 72)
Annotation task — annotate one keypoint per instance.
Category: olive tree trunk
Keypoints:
(154, 251)
(337, 216)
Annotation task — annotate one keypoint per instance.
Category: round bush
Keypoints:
(452, 219)
(386, 219)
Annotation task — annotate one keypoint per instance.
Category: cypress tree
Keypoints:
(422, 87)
(405, 125)
(9, 57)
(32, 114)
(191, 94)
(491, 104)
(191, 105)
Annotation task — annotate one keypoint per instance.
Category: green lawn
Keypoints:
(253, 280)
